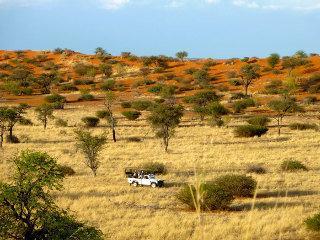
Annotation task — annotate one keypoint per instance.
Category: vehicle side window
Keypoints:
(146, 177)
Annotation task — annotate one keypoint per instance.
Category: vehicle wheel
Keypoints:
(135, 184)
(153, 185)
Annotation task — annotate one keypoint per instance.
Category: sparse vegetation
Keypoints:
(90, 121)
(90, 146)
(164, 119)
(206, 197)
(250, 131)
(237, 185)
(293, 165)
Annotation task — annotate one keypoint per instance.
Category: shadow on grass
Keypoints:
(264, 205)
(291, 193)
(251, 140)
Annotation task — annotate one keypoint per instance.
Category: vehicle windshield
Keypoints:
(151, 176)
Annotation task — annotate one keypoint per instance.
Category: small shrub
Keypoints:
(156, 89)
(313, 223)
(154, 167)
(90, 121)
(108, 85)
(254, 168)
(213, 197)
(236, 96)
(68, 87)
(250, 131)
(190, 71)
(259, 121)
(131, 115)
(158, 70)
(86, 97)
(66, 170)
(141, 105)
(292, 165)
(237, 185)
(235, 81)
(126, 104)
(61, 122)
(55, 98)
(240, 105)
(102, 114)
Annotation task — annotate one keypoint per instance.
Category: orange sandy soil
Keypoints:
(176, 67)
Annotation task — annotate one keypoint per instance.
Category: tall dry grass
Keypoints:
(281, 203)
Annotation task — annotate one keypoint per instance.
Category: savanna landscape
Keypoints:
(236, 142)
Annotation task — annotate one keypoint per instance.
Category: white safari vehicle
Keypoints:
(141, 178)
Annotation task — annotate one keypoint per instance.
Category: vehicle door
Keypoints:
(146, 180)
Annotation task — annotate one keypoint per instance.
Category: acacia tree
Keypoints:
(282, 107)
(45, 82)
(44, 112)
(27, 209)
(182, 55)
(91, 146)
(248, 74)
(164, 119)
(273, 59)
(13, 116)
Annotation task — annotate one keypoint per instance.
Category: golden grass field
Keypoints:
(107, 201)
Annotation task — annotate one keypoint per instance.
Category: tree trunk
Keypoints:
(114, 134)
(1, 139)
(279, 127)
(45, 123)
(10, 132)
(246, 89)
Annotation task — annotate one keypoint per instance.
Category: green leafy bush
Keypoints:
(292, 165)
(303, 126)
(108, 85)
(141, 105)
(126, 104)
(61, 122)
(259, 121)
(131, 115)
(237, 185)
(155, 89)
(213, 197)
(235, 81)
(86, 97)
(102, 114)
(154, 167)
(90, 121)
(240, 105)
(56, 100)
(313, 223)
(250, 131)
(68, 87)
